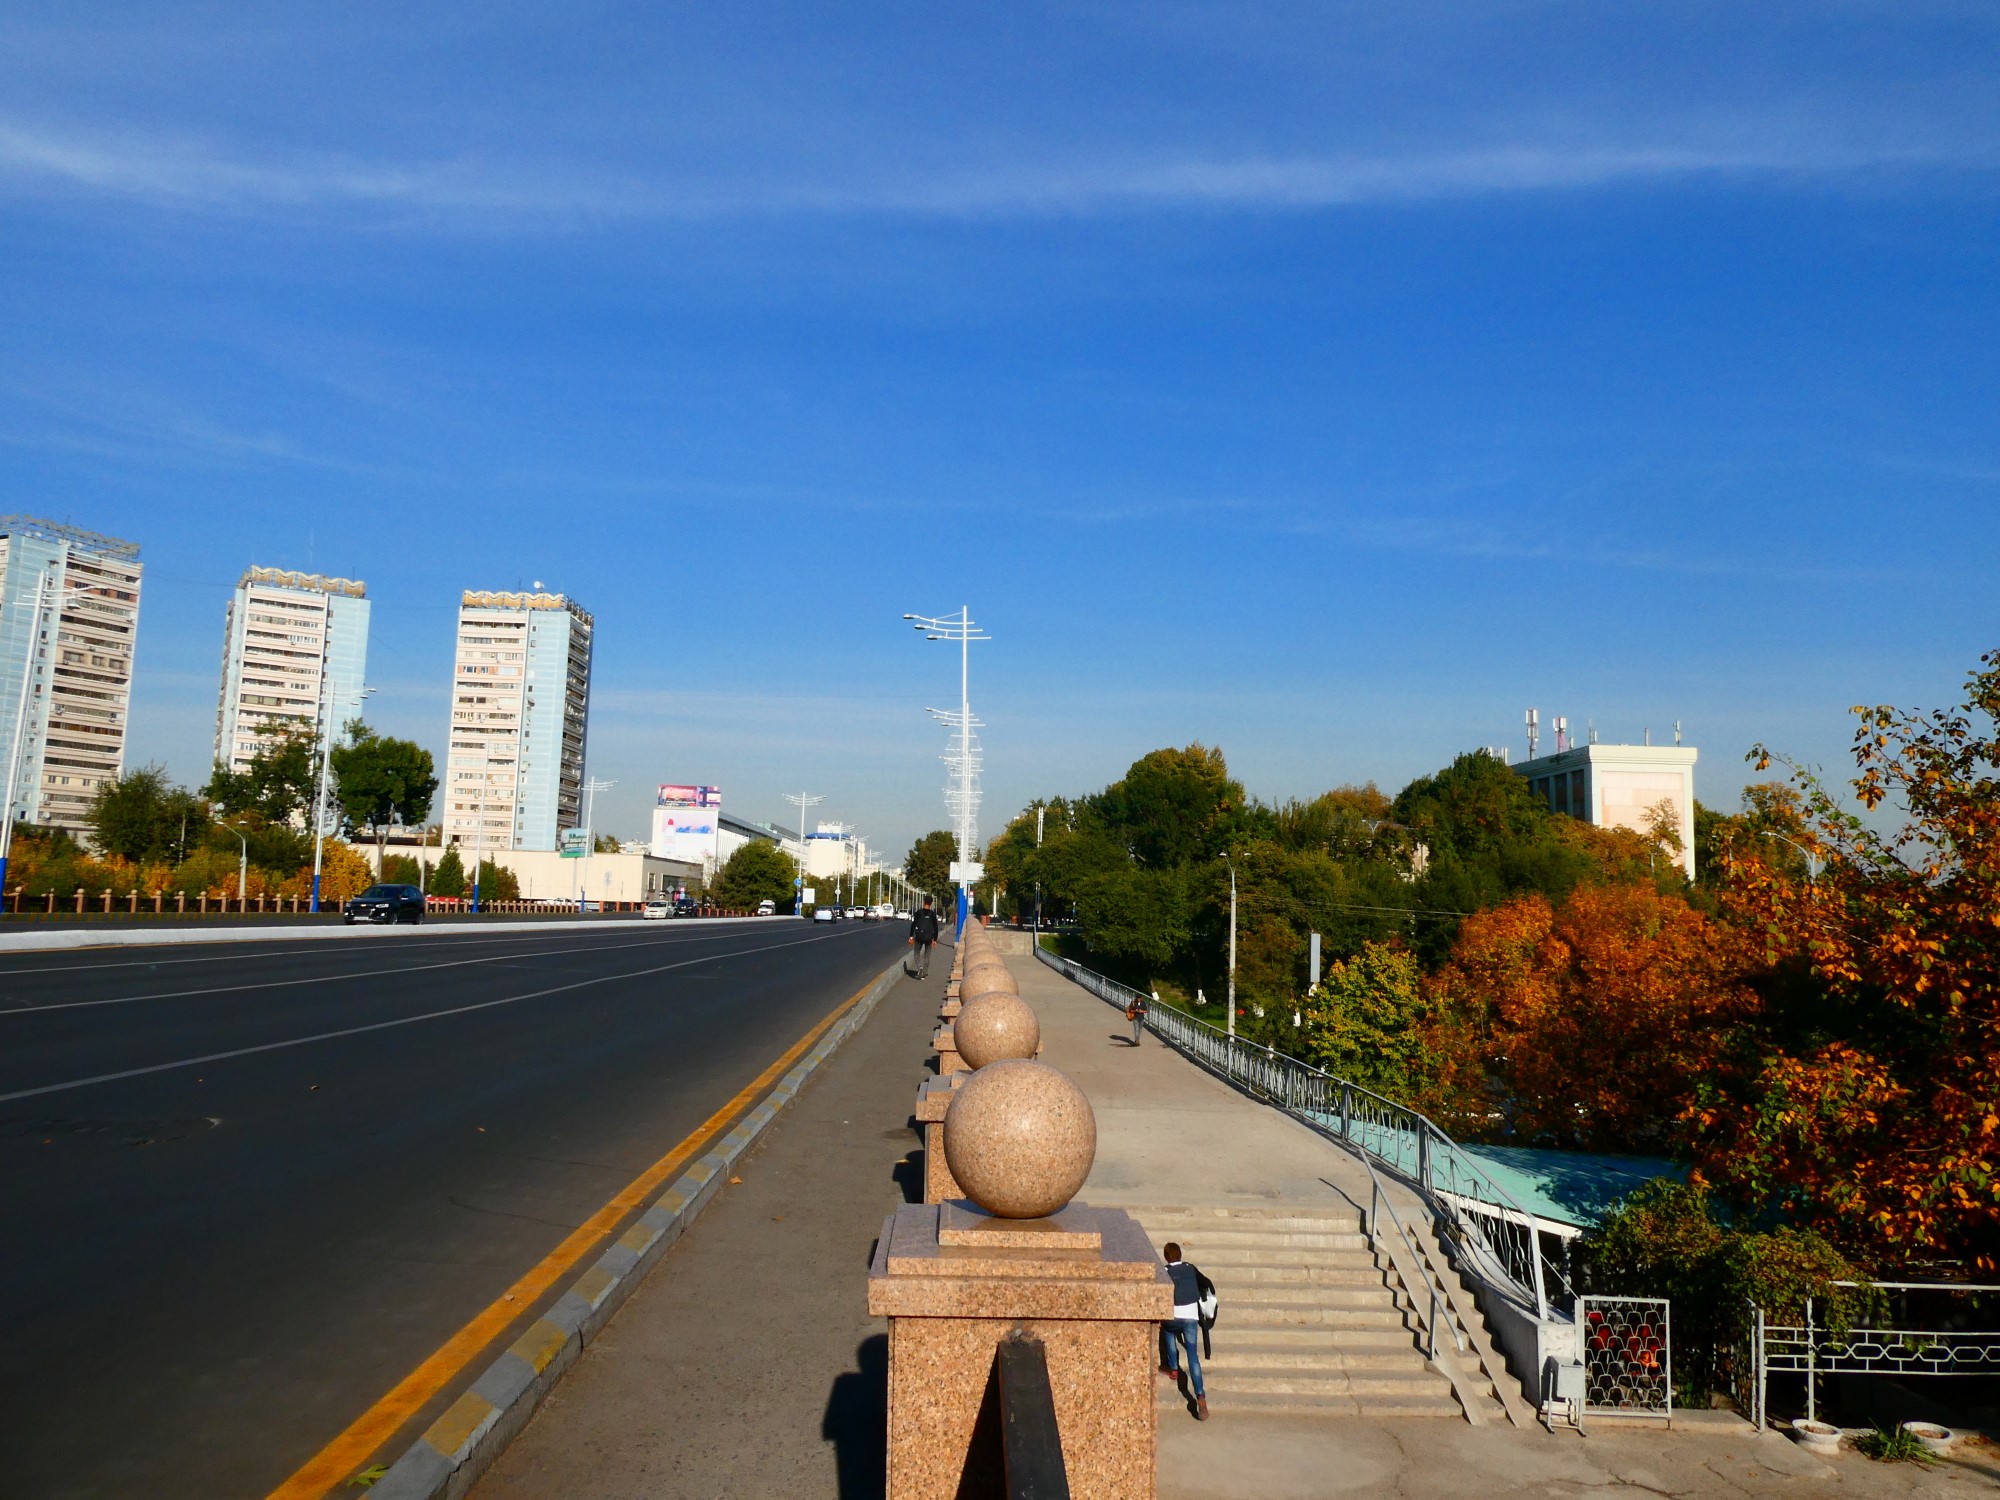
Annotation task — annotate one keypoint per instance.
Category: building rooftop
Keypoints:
(76, 536)
(318, 583)
(522, 599)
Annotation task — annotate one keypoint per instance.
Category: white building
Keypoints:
(1619, 786)
(69, 619)
(294, 648)
(519, 706)
(550, 876)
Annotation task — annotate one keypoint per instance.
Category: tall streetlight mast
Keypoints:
(1232, 948)
(801, 801)
(965, 632)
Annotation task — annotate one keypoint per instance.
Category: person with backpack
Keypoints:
(1194, 1310)
(923, 936)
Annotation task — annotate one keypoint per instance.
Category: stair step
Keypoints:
(1328, 1361)
(1323, 1293)
(1245, 1221)
(1240, 1332)
(1212, 1242)
(1206, 1255)
(1226, 1403)
(1420, 1383)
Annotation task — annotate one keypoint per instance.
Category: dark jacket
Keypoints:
(924, 925)
(1187, 1283)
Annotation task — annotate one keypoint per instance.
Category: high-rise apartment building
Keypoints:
(519, 701)
(69, 619)
(294, 647)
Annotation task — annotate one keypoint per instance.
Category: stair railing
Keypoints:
(1480, 1218)
(1378, 1206)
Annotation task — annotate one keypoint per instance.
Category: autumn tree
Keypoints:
(1873, 1111)
(1601, 1013)
(928, 864)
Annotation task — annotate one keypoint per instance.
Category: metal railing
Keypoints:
(1628, 1358)
(1480, 1217)
(1378, 1204)
(1813, 1349)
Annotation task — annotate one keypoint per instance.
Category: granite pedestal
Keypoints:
(933, 1099)
(953, 1283)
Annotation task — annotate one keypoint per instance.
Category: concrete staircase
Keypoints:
(1310, 1320)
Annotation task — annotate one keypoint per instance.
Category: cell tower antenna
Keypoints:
(1534, 732)
(1677, 731)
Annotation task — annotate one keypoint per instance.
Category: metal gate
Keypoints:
(1628, 1365)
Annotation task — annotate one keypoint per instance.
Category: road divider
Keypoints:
(450, 1454)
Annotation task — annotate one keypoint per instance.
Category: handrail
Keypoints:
(1030, 1441)
(1378, 1202)
(1486, 1222)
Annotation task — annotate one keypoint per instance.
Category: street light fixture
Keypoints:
(1812, 860)
(590, 790)
(966, 808)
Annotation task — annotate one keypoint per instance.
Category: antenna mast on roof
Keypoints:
(1677, 731)
(1534, 732)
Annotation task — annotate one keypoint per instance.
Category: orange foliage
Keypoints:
(1600, 1013)
(1879, 1120)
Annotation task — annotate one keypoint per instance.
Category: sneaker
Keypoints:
(1201, 1408)
(1168, 1372)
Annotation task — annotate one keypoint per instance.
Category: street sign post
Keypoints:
(574, 843)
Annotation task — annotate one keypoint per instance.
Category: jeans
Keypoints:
(923, 957)
(1182, 1331)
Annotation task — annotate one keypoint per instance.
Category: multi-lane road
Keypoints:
(245, 1189)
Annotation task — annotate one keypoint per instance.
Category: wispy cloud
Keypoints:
(192, 174)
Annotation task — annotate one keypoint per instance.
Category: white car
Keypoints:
(658, 909)
(823, 914)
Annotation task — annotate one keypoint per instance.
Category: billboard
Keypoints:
(687, 824)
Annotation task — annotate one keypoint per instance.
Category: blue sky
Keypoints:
(1328, 382)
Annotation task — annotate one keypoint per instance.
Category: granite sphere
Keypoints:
(993, 1026)
(1019, 1138)
(987, 982)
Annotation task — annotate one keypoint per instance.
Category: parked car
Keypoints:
(658, 909)
(386, 903)
(767, 908)
(687, 906)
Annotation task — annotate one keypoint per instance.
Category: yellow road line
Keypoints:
(340, 1458)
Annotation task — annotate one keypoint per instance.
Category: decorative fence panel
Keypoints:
(1628, 1365)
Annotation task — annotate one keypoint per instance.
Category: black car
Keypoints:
(386, 903)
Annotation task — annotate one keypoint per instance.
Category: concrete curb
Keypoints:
(459, 1446)
(140, 937)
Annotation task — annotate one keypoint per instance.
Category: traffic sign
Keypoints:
(967, 873)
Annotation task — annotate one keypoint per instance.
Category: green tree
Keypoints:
(497, 883)
(143, 817)
(382, 779)
(928, 864)
(1369, 1022)
(448, 879)
(605, 843)
(402, 869)
(1134, 916)
(756, 872)
(1174, 808)
(280, 782)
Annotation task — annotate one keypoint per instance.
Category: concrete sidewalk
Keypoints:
(748, 1366)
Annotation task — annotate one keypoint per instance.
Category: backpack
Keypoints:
(1207, 1306)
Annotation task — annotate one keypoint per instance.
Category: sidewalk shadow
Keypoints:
(857, 1422)
(1122, 1039)
(909, 1175)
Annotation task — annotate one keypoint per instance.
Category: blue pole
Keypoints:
(3, 882)
(475, 889)
(963, 906)
(315, 906)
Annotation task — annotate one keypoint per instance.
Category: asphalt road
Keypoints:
(247, 1188)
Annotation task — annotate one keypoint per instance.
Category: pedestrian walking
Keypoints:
(1135, 1012)
(1194, 1303)
(923, 936)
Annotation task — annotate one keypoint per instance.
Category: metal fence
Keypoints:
(1812, 1349)
(1628, 1362)
(1470, 1207)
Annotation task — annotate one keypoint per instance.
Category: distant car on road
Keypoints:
(825, 914)
(386, 903)
(767, 908)
(658, 909)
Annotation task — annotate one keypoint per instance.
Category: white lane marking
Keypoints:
(31, 1009)
(275, 948)
(433, 1015)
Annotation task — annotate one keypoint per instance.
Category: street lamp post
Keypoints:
(965, 632)
(802, 801)
(242, 867)
(1232, 949)
(325, 769)
(590, 790)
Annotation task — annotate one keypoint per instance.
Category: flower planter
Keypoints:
(1937, 1439)
(1822, 1437)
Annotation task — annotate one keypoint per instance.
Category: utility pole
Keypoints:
(1232, 949)
(964, 757)
(325, 769)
